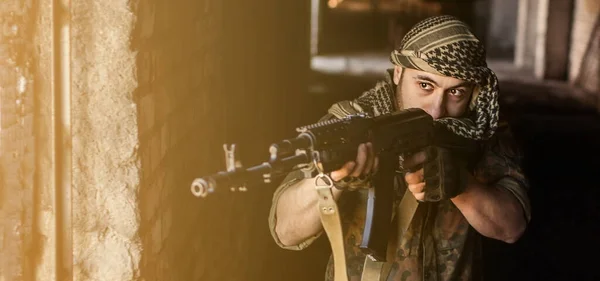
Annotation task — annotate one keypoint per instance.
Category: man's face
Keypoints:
(439, 96)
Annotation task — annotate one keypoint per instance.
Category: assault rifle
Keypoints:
(325, 146)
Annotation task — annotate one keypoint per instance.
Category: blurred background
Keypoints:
(109, 109)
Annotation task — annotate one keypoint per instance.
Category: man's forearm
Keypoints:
(297, 213)
(494, 212)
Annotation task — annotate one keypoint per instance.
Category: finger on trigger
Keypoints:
(343, 172)
(416, 188)
(415, 177)
(420, 196)
(361, 159)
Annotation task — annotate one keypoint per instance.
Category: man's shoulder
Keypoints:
(502, 156)
(501, 165)
(503, 141)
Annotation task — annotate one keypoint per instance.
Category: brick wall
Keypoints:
(266, 63)
(209, 73)
(178, 72)
(17, 153)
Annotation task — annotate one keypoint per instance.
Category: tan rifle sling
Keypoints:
(330, 218)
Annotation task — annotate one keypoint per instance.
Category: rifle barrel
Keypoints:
(262, 173)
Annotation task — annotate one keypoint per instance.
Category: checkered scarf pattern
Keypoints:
(443, 45)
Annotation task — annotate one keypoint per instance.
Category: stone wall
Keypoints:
(105, 149)
(17, 146)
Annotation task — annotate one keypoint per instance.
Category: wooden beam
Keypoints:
(553, 32)
(521, 40)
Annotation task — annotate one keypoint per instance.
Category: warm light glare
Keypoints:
(334, 3)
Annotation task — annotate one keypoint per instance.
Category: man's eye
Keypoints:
(425, 86)
(456, 92)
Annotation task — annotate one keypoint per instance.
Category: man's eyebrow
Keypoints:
(429, 79)
(465, 84)
(426, 78)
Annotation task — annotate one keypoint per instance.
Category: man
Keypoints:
(440, 67)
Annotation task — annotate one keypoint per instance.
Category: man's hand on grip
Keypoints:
(436, 174)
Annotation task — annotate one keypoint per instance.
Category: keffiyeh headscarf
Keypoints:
(444, 45)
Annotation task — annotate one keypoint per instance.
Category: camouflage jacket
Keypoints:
(439, 244)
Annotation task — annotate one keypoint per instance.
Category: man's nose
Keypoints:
(437, 108)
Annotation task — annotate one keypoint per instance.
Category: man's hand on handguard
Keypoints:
(298, 218)
(356, 174)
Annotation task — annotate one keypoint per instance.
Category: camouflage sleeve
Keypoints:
(501, 166)
(291, 179)
(346, 204)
